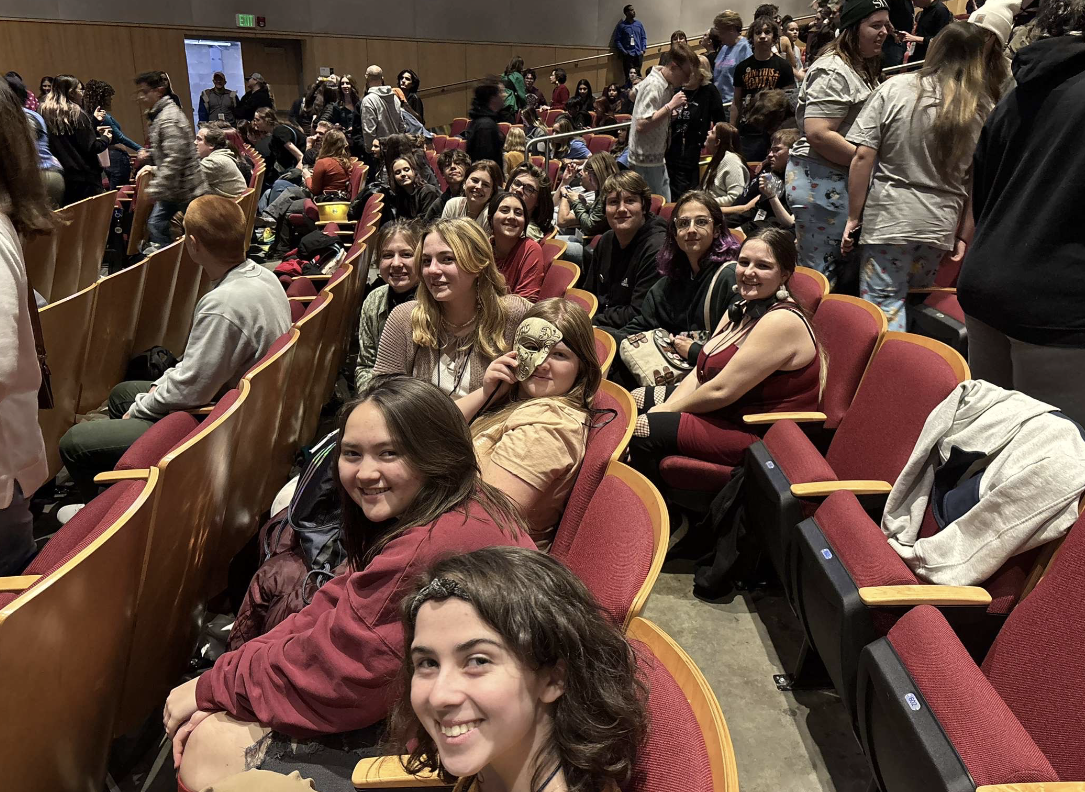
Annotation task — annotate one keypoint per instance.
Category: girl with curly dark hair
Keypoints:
(513, 671)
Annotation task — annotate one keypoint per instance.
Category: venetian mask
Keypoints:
(535, 338)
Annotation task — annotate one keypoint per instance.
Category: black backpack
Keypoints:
(314, 515)
(150, 364)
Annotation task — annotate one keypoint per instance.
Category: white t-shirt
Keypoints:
(650, 147)
(452, 374)
(910, 198)
(832, 89)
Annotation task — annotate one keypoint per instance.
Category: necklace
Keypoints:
(457, 326)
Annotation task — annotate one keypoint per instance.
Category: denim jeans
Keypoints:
(16, 534)
(658, 180)
(158, 223)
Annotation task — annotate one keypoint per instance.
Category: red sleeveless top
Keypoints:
(780, 391)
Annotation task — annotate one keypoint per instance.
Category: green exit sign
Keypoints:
(246, 20)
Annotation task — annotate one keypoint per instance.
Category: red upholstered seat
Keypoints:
(795, 454)
(657, 203)
(168, 433)
(675, 756)
(556, 282)
(687, 473)
(666, 211)
(301, 287)
(611, 549)
(357, 179)
(807, 291)
(457, 128)
(946, 302)
(599, 143)
(297, 310)
(848, 331)
(74, 536)
(440, 142)
(860, 544)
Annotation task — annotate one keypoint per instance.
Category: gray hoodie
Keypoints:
(380, 114)
(1033, 471)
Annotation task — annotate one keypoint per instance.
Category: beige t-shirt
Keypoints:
(543, 444)
(262, 781)
(832, 89)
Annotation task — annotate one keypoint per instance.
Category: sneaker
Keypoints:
(65, 513)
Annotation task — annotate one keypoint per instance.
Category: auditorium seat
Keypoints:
(552, 116)
(552, 249)
(666, 211)
(141, 210)
(192, 282)
(607, 441)
(585, 299)
(97, 219)
(560, 275)
(787, 475)
(458, 127)
(440, 143)
(600, 143)
(40, 257)
(618, 546)
(312, 325)
(657, 203)
(931, 718)
(605, 349)
(808, 287)
(247, 202)
(156, 305)
(504, 127)
(65, 633)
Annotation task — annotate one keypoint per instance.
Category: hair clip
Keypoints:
(438, 589)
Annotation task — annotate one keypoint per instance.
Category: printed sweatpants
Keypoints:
(818, 197)
(886, 272)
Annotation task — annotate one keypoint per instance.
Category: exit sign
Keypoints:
(246, 20)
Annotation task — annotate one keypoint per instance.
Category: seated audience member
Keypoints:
(762, 357)
(535, 97)
(565, 706)
(518, 257)
(484, 138)
(453, 164)
(623, 267)
(479, 188)
(412, 198)
(578, 217)
(531, 445)
(515, 149)
(331, 173)
(533, 187)
(922, 131)
(313, 143)
(411, 495)
(560, 95)
(572, 148)
(698, 245)
(769, 111)
(233, 326)
(580, 106)
(413, 148)
(220, 170)
(608, 106)
(73, 139)
(533, 128)
(690, 127)
(726, 175)
(394, 250)
(460, 321)
(764, 202)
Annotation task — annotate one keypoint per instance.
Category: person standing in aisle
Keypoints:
(733, 50)
(630, 40)
(928, 24)
(218, 104)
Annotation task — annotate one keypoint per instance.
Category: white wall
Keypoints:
(573, 22)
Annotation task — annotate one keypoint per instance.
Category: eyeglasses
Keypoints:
(529, 189)
(683, 223)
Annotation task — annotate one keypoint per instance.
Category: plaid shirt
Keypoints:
(177, 175)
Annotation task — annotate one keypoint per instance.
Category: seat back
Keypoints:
(301, 287)
(552, 116)
(607, 441)
(98, 217)
(141, 210)
(188, 506)
(552, 249)
(191, 282)
(440, 143)
(605, 349)
(64, 643)
(585, 299)
(688, 746)
(503, 127)
(156, 305)
(247, 202)
(599, 143)
(560, 275)
(657, 203)
(457, 128)
(312, 325)
(112, 334)
(69, 255)
(333, 344)
(848, 330)
(666, 211)
(808, 287)
(357, 178)
(908, 376)
(619, 545)
(40, 256)
(65, 328)
(1036, 664)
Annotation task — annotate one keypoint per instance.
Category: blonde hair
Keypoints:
(726, 19)
(60, 113)
(516, 140)
(964, 79)
(474, 256)
(577, 334)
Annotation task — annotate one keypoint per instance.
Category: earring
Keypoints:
(781, 293)
(735, 288)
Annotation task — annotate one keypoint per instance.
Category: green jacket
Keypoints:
(375, 310)
(592, 219)
(516, 98)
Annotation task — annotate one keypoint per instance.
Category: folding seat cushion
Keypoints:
(74, 536)
(301, 287)
(657, 203)
(167, 434)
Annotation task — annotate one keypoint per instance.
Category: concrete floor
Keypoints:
(783, 742)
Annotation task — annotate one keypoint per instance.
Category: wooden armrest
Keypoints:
(316, 277)
(933, 290)
(112, 476)
(773, 417)
(17, 583)
(301, 299)
(337, 222)
(386, 772)
(924, 595)
(1038, 786)
(822, 489)
(207, 409)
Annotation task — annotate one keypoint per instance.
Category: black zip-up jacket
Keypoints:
(621, 277)
(1024, 274)
(77, 151)
(484, 139)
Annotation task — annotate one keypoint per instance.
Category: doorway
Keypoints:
(207, 56)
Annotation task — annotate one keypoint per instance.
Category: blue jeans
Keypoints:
(818, 196)
(158, 223)
(658, 180)
(886, 272)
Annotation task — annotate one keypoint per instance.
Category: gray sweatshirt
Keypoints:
(380, 114)
(234, 325)
(1033, 470)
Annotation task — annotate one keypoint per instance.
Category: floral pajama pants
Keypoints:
(818, 197)
(886, 272)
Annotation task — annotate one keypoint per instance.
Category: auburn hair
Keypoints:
(219, 223)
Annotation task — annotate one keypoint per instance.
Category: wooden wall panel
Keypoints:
(392, 55)
(345, 55)
(484, 59)
(279, 61)
(437, 64)
(162, 48)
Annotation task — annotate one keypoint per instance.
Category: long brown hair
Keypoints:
(335, 146)
(545, 616)
(846, 45)
(576, 333)
(474, 256)
(963, 78)
(58, 110)
(22, 191)
(727, 139)
(428, 430)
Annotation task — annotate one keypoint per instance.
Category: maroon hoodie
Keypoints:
(328, 668)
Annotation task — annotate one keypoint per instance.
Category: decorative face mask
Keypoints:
(535, 338)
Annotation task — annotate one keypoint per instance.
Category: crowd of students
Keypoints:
(474, 397)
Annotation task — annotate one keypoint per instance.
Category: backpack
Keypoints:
(150, 364)
(314, 516)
